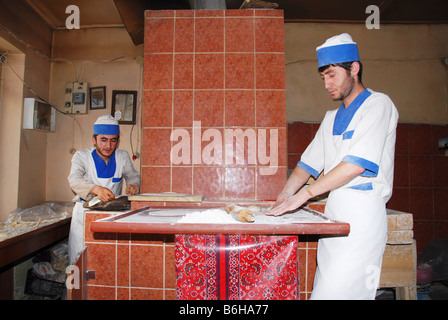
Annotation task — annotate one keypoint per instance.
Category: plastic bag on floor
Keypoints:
(432, 264)
(59, 256)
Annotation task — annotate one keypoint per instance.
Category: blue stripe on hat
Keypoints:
(337, 54)
(108, 129)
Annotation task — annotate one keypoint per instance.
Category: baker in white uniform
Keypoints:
(98, 171)
(354, 147)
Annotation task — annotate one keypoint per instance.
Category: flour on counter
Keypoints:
(208, 216)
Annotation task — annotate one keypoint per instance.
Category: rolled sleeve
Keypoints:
(78, 183)
(371, 168)
(130, 174)
(313, 172)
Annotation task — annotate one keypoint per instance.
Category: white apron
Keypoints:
(348, 267)
(76, 235)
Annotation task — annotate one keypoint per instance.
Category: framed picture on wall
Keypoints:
(124, 105)
(97, 98)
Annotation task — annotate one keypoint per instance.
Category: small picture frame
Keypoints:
(97, 98)
(124, 105)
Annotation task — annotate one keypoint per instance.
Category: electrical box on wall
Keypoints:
(38, 115)
(76, 97)
(68, 97)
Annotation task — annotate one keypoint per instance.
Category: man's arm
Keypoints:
(340, 175)
(295, 181)
(78, 183)
(131, 176)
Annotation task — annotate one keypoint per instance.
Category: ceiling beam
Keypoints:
(133, 14)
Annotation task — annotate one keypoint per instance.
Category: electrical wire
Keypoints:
(1, 78)
(139, 103)
(77, 76)
(97, 61)
(68, 61)
(5, 61)
(2, 57)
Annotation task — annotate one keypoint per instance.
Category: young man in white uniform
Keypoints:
(98, 171)
(354, 147)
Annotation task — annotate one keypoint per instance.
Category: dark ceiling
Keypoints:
(351, 11)
(130, 13)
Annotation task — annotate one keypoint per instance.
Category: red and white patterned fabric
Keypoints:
(236, 267)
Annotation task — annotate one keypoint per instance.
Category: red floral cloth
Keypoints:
(236, 267)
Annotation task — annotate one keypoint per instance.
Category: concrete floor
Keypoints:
(438, 291)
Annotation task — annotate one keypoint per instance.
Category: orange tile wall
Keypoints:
(226, 69)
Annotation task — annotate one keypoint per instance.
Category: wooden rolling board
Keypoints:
(167, 197)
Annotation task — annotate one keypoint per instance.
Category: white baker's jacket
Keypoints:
(363, 134)
(88, 170)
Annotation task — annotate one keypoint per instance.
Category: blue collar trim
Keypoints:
(104, 171)
(344, 116)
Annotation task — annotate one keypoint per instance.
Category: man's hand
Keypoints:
(132, 189)
(103, 194)
(280, 199)
(289, 204)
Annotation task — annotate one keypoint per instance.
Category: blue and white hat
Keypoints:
(337, 49)
(106, 125)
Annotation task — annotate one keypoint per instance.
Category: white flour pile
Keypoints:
(208, 216)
